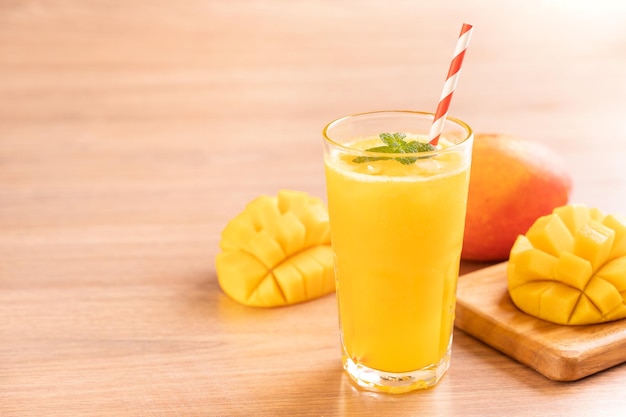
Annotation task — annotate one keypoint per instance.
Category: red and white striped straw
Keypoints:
(450, 84)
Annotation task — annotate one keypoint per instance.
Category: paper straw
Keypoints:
(450, 84)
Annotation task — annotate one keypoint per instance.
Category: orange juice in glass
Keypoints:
(397, 222)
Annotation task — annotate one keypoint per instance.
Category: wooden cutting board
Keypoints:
(562, 353)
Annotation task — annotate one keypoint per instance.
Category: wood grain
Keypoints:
(132, 131)
(562, 353)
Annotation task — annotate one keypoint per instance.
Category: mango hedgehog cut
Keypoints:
(570, 267)
(277, 251)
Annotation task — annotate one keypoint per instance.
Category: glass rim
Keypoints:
(469, 133)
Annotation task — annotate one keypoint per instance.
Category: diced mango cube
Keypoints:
(550, 235)
(526, 261)
(586, 312)
(573, 270)
(557, 303)
(618, 224)
(313, 215)
(594, 242)
(614, 272)
(527, 297)
(259, 211)
(267, 293)
(311, 267)
(290, 233)
(535, 264)
(291, 282)
(574, 216)
(603, 295)
(265, 248)
(239, 264)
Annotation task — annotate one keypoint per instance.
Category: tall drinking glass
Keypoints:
(397, 224)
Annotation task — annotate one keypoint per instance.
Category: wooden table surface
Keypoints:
(132, 131)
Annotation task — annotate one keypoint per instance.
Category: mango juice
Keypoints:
(396, 232)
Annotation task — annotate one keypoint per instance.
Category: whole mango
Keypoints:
(512, 183)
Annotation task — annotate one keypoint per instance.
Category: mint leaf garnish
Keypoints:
(395, 143)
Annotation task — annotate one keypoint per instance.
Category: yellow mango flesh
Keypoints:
(594, 242)
(549, 234)
(573, 270)
(570, 267)
(277, 251)
(574, 216)
(618, 224)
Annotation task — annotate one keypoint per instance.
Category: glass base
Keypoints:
(396, 383)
